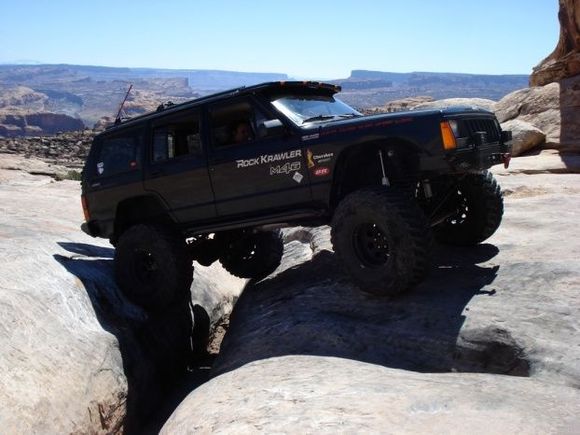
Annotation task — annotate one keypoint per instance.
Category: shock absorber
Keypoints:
(385, 180)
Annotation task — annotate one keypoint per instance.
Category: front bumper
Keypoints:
(480, 157)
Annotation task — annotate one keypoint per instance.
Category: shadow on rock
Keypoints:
(312, 309)
(157, 348)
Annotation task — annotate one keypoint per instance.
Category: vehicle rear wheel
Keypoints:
(152, 266)
(479, 209)
(383, 240)
(253, 255)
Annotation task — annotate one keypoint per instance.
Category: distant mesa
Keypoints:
(80, 96)
(365, 89)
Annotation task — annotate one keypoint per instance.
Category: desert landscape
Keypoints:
(488, 343)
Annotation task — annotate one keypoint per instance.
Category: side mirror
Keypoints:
(270, 127)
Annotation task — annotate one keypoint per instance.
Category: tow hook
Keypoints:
(506, 157)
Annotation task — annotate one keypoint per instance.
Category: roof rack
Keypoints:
(164, 106)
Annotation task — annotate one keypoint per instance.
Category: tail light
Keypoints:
(85, 208)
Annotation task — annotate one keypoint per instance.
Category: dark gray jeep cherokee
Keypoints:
(217, 177)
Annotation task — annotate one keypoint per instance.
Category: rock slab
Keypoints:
(307, 394)
(77, 357)
(488, 343)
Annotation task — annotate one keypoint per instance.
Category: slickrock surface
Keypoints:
(76, 356)
(494, 333)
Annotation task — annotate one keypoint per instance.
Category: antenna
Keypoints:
(121, 111)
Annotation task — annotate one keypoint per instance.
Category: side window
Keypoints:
(235, 124)
(118, 154)
(177, 138)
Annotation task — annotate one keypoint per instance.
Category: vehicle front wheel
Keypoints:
(383, 240)
(478, 202)
(152, 266)
(253, 255)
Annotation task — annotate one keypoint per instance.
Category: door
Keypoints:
(177, 170)
(253, 169)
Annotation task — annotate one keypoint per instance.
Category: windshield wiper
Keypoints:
(349, 115)
(318, 118)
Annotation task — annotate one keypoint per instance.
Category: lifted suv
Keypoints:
(215, 178)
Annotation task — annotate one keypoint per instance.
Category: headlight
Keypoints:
(454, 124)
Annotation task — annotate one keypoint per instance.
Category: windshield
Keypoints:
(311, 108)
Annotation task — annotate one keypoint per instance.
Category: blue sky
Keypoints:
(314, 39)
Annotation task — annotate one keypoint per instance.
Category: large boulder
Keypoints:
(77, 357)
(525, 136)
(552, 108)
(399, 105)
(564, 61)
(451, 102)
(312, 394)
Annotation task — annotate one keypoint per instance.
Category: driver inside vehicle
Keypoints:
(242, 132)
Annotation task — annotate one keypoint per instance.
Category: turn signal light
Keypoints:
(449, 142)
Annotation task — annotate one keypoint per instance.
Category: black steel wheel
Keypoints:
(252, 255)
(371, 245)
(383, 240)
(152, 266)
(478, 204)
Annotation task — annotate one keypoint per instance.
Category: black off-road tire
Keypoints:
(152, 266)
(479, 203)
(383, 239)
(253, 255)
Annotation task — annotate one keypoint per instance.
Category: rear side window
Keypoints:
(176, 138)
(118, 155)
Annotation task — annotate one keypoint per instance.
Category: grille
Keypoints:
(488, 126)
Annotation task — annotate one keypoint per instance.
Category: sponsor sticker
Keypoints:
(298, 177)
(317, 159)
(268, 158)
(321, 172)
(309, 159)
(285, 169)
(322, 158)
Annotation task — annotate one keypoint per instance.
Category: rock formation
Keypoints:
(398, 105)
(564, 61)
(453, 102)
(487, 344)
(22, 97)
(68, 149)
(552, 103)
(76, 356)
(525, 136)
(313, 394)
(16, 123)
(26, 112)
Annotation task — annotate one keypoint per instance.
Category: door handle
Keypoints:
(155, 174)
